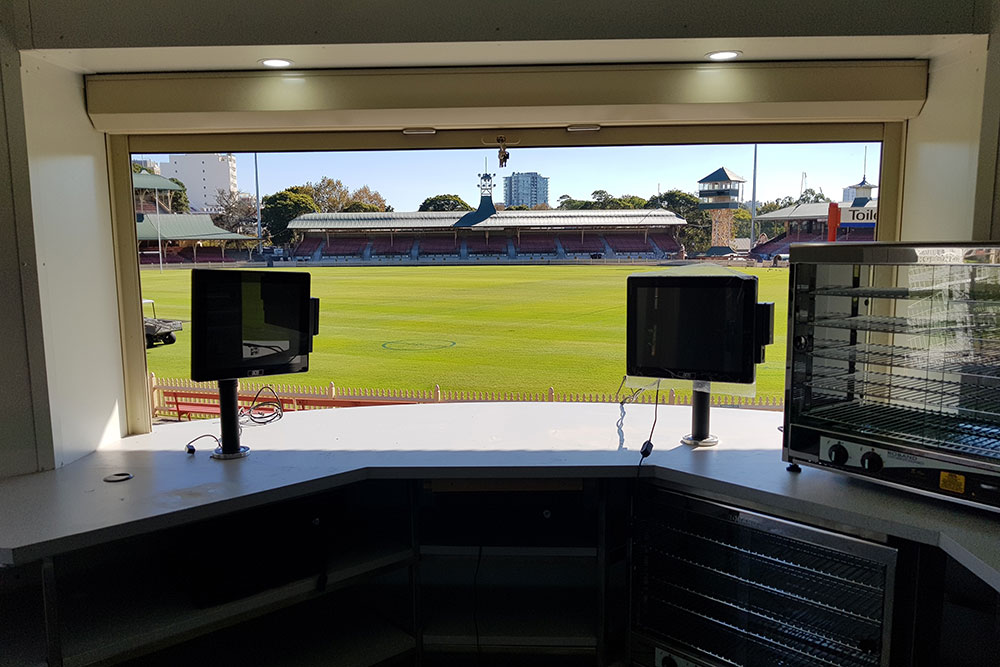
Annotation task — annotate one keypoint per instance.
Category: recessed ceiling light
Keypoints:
(723, 55)
(275, 62)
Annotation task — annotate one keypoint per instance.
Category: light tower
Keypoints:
(720, 193)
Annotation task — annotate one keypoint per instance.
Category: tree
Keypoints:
(810, 196)
(696, 235)
(444, 203)
(179, 199)
(541, 207)
(631, 201)
(366, 195)
(770, 206)
(238, 214)
(360, 207)
(329, 194)
(568, 203)
(601, 197)
(518, 207)
(280, 209)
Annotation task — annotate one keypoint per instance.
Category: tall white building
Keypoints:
(525, 189)
(203, 174)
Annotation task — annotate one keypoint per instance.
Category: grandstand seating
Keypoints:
(665, 242)
(398, 245)
(308, 246)
(628, 243)
(479, 245)
(345, 245)
(855, 234)
(438, 245)
(532, 243)
(779, 244)
(205, 254)
(572, 243)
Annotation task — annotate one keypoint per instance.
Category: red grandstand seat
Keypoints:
(438, 245)
(345, 245)
(588, 244)
(386, 245)
(540, 243)
(628, 242)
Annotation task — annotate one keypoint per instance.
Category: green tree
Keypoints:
(444, 203)
(696, 235)
(179, 199)
(770, 206)
(518, 207)
(280, 209)
(810, 196)
(741, 223)
(632, 201)
(360, 207)
(601, 198)
(568, 203)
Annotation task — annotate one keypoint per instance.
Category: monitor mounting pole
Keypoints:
(229, 411)
(701, 402)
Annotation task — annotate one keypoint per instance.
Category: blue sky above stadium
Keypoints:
(406, 178)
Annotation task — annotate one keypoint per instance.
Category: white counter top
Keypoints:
(53, 512)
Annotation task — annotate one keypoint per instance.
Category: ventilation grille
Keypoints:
(711, 582)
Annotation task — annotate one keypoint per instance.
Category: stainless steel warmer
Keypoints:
(893, 369)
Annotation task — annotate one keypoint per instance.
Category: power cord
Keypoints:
(264, 412)
(260, 414)
(647, 447)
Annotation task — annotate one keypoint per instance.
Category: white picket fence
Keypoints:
(376, 396)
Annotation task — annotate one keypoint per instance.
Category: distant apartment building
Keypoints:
(203, 175)
(528, 189)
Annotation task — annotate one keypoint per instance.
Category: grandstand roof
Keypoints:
(183, 227)
(445, 220)
(817, 211)
(144, 181)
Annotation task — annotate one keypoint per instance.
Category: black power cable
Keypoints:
(647, 447)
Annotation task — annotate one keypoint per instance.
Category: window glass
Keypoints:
(440, 271)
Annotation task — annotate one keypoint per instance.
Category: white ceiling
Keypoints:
(112, 60)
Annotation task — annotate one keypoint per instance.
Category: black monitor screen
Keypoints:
(692, 327)
(249, 323)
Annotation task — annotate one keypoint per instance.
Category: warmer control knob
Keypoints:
(871, 461)
(667, 661)
(838, 454)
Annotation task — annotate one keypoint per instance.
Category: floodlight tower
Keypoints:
(720, 193)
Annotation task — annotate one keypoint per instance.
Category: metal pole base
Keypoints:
(705, 442)
(243, 453)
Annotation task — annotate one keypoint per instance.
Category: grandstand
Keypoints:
(182, 238)
(501, 236)
(807, 223)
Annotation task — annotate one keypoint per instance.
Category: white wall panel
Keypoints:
(72, 220)
(942, 148)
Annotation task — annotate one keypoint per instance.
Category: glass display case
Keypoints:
(893, 367)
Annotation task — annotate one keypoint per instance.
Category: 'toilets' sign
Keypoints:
(859, 214)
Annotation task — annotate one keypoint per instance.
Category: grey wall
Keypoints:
(61, 24)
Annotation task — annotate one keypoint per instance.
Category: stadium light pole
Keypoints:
(159, 237)
(753, 200)
(256, 183)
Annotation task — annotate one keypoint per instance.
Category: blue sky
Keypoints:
(406, 178)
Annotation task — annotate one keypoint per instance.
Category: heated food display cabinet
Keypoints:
(893, 368)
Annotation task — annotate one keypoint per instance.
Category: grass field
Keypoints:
(478, 328)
